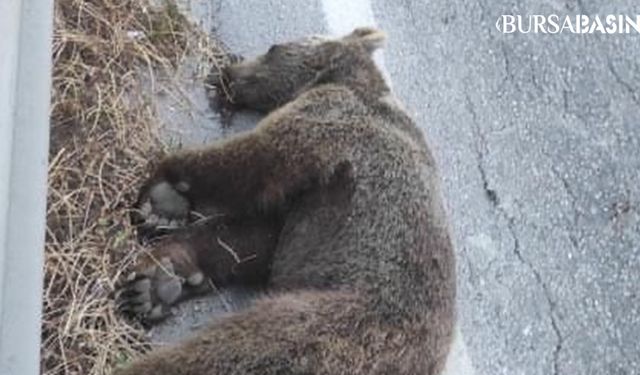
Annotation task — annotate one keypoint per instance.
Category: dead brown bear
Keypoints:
(361, 272)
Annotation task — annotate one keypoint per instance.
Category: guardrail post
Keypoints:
(25, 84)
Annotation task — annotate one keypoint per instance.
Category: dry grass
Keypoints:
(104, 133)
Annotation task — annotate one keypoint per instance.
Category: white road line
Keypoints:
(342, 17)
(458, 362)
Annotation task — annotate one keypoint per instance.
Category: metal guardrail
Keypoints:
(25, 80)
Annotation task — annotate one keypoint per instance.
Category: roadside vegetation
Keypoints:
(104, 134)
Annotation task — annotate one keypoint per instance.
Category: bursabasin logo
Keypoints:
(578, 24)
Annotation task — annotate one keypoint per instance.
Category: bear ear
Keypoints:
(369, 37)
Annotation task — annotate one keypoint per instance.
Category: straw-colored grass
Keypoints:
(103, 137)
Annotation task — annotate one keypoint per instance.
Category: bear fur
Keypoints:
(335, 194)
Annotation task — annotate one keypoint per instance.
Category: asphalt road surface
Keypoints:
(538, 142)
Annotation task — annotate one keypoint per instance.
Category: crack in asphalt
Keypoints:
(502, 45)
(581, 7)
(615, 339)
(573, 239)
(511, 225)
(508, 74)
(573, 212)
(480, 147)
(626, 85)
(565, 102)
(572, 198)
(483, 10)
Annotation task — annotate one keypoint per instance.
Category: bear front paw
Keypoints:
(219, 93)
(148, 293)
(162, 208)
